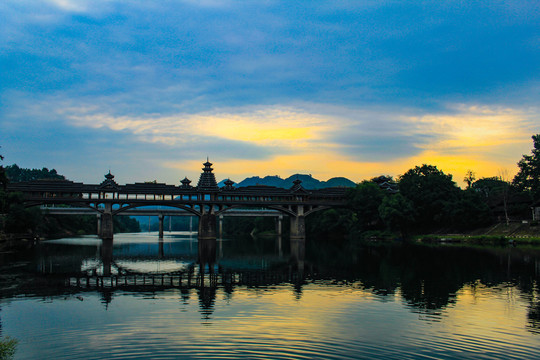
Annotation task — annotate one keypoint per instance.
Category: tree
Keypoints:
(528, 176)
(431, 191)
(469, 178)
(330, 224)
(3, 177)
(16, 174)
(364, 200)
(397, 213)
(503, 176)
(469, 211)
(490, 188)
(18, 218)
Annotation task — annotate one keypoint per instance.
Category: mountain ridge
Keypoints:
(308, 182)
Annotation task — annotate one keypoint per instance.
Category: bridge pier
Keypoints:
(107, 229)
(298, 224)
(161, 250)
(160, 226)
(298, 227)
(279, 221)
(207, 226)
(98, 216)
(220, 226)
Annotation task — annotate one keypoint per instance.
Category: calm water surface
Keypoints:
(140, 298)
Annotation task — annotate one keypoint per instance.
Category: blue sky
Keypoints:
(149, 89)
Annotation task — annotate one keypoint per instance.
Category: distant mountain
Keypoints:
(267, 180)
(221, 183)
(308, 182)
(339, 182)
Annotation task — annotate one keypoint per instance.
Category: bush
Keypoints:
(7, 348)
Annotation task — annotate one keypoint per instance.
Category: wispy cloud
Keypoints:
(470, 129)
(353, 88)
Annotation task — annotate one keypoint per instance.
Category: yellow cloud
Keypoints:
(295, 131)
(479, 138)
(484, 139)
(267, 126)
(475, 127)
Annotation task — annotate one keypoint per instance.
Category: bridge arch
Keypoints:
(177, 206)
(315, 209)
(271, 207)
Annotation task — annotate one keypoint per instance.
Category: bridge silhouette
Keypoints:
(207, 200)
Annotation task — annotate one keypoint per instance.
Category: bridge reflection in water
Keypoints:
(363, 301)
(120, 267)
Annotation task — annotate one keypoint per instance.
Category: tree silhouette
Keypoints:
(528, 176)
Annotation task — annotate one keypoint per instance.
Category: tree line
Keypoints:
(422, 200)
(425, 199)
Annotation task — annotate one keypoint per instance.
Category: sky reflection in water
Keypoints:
(378, 303)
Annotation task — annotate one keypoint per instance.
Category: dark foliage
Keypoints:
(364, 201)
(397, 212)
(528, 176)
(21, 220)
(431, 192)
(16, 174)
(468, 212)
(251, 225)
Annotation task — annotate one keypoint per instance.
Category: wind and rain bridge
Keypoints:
(207, 201)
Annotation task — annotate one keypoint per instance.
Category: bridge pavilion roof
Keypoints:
(50, 185)
(108, 183)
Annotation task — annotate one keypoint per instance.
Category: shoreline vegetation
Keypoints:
(424, 204)
(498, 234)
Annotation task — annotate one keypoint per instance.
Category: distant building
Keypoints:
(386, 183)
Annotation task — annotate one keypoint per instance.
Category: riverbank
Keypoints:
(501, 233)
(11, 242)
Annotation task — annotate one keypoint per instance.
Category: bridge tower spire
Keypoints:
(207, 181)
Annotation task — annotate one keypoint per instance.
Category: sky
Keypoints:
(150, 89)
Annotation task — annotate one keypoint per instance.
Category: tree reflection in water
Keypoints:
(428, 278)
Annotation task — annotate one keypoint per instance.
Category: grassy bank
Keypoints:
(501, 233)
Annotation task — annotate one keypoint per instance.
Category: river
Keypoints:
(141, 298)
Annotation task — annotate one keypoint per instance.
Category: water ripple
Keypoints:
(325, 323)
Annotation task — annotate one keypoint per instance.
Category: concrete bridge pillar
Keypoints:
(98, 216)
(161, 250)
(160, 226)
(298, 227)
(207, 226)
(279, 222)
(298, 224)
(107, 230)
(220, 226)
